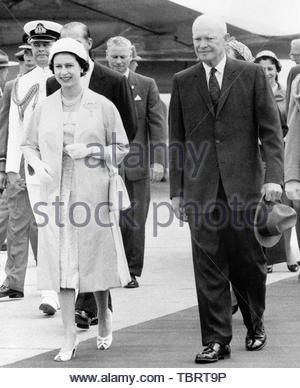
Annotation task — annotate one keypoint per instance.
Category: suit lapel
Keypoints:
(97, 80)
(202, 87)
(227, 82)
(132, 82)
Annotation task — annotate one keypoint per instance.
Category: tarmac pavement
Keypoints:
(166, 288)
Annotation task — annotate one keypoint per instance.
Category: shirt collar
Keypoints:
(91, 66)
(127, 73)
(220, 67)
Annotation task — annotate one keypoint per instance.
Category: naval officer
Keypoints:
(28, 91)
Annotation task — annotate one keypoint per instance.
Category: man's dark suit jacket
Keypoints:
(151, 128)
(113, 86)
(292, 74)
(226, 143)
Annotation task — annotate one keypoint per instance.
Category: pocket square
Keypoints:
(137, 98)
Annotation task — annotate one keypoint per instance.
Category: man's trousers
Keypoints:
(18, 234)
(133, 223)
(225, 249)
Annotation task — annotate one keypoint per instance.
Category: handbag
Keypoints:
(117, 196)
(118, 200)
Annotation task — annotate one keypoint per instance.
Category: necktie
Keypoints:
(214, 88)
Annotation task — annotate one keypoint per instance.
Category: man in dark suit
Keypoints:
(115, 87)
(217, 177)
(140, 164)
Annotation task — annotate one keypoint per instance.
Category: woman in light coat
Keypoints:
(72, 138)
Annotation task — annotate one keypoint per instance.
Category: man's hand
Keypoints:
(156, 172)
(272, 191)
(77, 150)
(178, 209)
(14, 179)
(2, 180)
(292, 190)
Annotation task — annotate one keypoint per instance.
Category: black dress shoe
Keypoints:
(47, 309)
(212, 353)
(12, 294)
(293, 267)
(256, 341)
(133, 283)
(270, 268)
(82, 319)
(94, 321)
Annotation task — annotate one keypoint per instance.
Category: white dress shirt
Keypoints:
(127, 73)
(219, 73)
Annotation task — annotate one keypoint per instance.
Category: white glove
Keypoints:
(292, 190)
(272, 191)
(78, 150)
(42, 170)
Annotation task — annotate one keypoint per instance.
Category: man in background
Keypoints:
(295, 56)
(5, 64)
(25, 56)
(140, 165)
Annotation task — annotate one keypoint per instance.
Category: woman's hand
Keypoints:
(78, 150)
(42, 170)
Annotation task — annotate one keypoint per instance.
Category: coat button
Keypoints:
(218, 141)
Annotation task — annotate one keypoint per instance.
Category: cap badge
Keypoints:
(40, 29)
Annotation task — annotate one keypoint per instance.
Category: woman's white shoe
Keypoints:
(104, 343)
(68, 355)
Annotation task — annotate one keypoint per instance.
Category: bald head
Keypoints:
(212, 22)
(209, 38)
(79, 32)
(295, 51)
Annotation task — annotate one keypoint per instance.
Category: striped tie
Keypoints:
(214, 88)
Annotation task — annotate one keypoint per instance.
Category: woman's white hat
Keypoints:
(68, 45)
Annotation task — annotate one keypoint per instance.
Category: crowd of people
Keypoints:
(68, 125)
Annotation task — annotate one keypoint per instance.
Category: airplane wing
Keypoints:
(160, 29)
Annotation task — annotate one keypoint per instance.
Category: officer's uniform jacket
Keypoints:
(28, 91)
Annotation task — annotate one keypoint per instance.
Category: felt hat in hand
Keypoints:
(271, 220)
